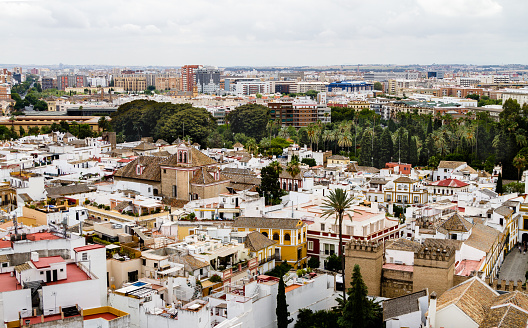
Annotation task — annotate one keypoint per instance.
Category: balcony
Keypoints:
(266, 260)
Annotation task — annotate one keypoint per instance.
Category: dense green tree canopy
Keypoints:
(142, 118)
(250, 119)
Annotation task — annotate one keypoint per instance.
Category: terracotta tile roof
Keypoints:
(473, 297)
(504, 211)
(80, 188)
(453, 183)
(162, 153)
(196, 157)
(516, 298)
(456, 223)
(176, 203)
(404, 180)
(267, 223)
(150, 172)
(450, 164)
(22, 267)
(352, 167)
(162, 142)
(122, 205)
(505, 316)
(482, 237)
(234, 170)
(194, 263)
(378, 181)
(145, 146)
(202, 177)
(256, 241)
(483, 174)
(469, 169)
(339, 157)
(406, 304)
(368, 169)
(442, 243)
(285, 175)
(402, 244)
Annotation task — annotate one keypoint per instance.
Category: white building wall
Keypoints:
(452, 316)
(399, 257)
(14, 301)
(84, 293)
(96, 263)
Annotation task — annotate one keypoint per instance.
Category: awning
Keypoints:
(229, 210)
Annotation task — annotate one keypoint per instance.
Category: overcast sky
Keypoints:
(263, 32)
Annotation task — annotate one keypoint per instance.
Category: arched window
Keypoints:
(265, 234)
(185, 157)
(296, 187)
(287, 237)
(299, 238)
(284, 185)
(290, 186)
(276, 236)
(180, 156)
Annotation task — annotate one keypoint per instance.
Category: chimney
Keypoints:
(431, 317)
(34, 256)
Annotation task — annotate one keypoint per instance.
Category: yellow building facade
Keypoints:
(290, 235)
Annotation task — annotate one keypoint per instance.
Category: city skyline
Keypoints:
(224, 33)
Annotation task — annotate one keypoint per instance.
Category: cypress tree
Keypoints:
(499, 189)
(385, 151)
(365, 151)
(282, 307)
(413, 152)
(359, 311)
(430, 127)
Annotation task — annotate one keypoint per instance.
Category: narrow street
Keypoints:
(514, 266)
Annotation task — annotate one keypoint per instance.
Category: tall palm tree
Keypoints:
(335, 137)
(293, 168)
(312, 134)
(345, 140)
(327, 136)
(520, 137)
(251, 145)
(520, 163)
(283, 133)
(337, 204)
(439, 141)
(276, 166)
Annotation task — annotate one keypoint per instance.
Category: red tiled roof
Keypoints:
(45, 262)
(449, 183)
(73, 274)
(42, 236)
(88, 247)
(5, 244)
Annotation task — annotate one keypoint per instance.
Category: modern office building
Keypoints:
(350, 86)
(207, 79)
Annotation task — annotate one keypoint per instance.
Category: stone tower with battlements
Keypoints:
(369, 257)
(434, 268)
